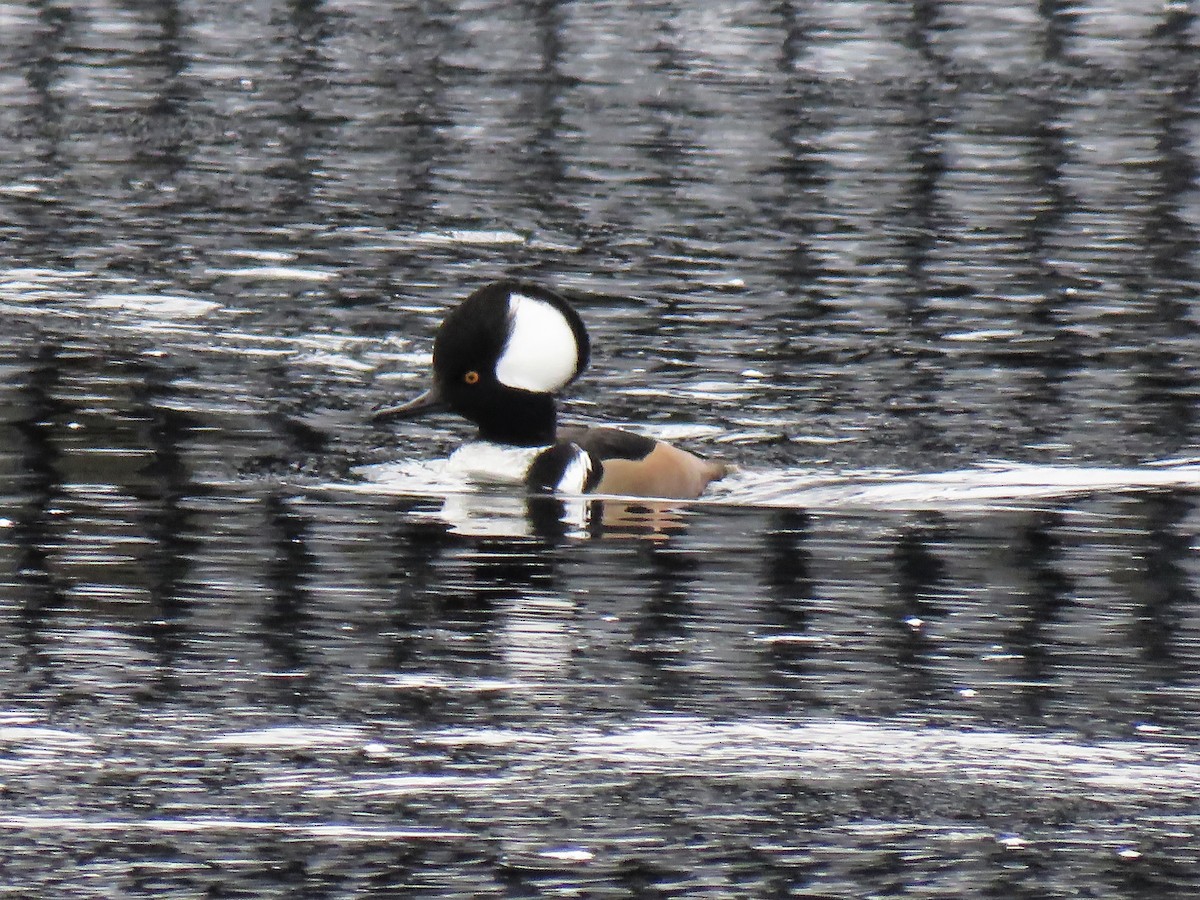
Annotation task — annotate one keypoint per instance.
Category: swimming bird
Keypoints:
(499, 359)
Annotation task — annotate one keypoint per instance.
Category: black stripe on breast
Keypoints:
(609, 443)
(548, 467)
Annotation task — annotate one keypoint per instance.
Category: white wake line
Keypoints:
(982, 487)
(219, 825)
(839, 749)
(979, 486)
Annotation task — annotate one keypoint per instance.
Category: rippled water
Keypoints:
(926, 272)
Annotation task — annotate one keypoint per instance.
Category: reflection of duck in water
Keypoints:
(498, 359)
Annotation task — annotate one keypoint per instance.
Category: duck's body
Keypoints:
(633, 465)
(498, 360)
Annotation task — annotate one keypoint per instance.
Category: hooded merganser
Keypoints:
(499, 358)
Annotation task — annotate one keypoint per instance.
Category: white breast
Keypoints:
(541, 354)
(492, 463)
(486, 463)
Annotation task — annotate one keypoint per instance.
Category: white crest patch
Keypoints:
(541, 353)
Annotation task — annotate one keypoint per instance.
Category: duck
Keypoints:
(500, 360)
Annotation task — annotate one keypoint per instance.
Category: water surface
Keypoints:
(925, 272)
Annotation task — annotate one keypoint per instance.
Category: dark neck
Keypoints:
(532, 422)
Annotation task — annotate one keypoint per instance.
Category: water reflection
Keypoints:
(1162, 593)
(37, 488)
(1044, 596)
(788, 633)
(285, 621)
(915, 611)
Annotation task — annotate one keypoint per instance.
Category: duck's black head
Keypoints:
(499, 358)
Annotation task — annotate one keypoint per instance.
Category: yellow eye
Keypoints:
(471, 377)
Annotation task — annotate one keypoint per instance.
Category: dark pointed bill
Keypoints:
(429, 401)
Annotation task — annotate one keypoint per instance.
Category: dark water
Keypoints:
(926, 272)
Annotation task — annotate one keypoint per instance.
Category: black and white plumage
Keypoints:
(499, 359)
